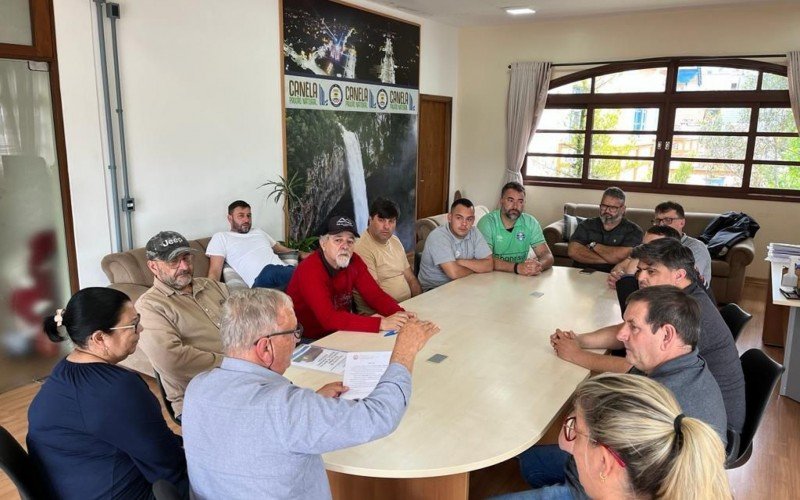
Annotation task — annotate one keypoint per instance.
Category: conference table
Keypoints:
(495, 394)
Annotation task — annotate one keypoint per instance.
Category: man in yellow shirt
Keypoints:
(385, 256)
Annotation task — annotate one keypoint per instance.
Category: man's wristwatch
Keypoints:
(592, 245)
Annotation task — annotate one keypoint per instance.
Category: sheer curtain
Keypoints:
(527, 95)
(793, 59)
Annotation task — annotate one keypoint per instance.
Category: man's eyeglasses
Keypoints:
(665, 221)
(571, 433)
(297, 332)
(610, 208)
(176, 262)
(132, 325)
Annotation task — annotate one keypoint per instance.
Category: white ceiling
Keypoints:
(490, 12)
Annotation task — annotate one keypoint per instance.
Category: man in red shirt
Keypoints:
(323, 283)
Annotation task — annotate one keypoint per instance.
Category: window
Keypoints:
(711, 128)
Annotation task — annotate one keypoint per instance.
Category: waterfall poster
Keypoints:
(351, 92)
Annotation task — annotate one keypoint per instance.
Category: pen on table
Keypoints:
(390, 333)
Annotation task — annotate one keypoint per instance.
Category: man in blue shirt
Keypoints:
(250, 433)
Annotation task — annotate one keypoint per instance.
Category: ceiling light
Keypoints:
(519, 11)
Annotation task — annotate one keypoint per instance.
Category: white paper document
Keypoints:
(319, 358)
(362, 372)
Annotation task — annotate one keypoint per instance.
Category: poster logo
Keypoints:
(383, 99)
(335, 96)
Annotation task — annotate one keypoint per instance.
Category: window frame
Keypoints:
(667, 102)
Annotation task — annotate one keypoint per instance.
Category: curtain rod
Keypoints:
(656, 59)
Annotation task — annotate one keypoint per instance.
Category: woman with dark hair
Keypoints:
(95, 429)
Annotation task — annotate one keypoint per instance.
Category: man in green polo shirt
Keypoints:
(516, 238)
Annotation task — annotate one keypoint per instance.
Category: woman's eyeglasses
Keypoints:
(571, 433)
(132, 325)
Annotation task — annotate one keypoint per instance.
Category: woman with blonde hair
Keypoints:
(630, 439)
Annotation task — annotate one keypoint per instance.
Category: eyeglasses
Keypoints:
(571, 433)
(665, 221)
(132, 325)
(176, 262)
(297, 332)
(610, 208)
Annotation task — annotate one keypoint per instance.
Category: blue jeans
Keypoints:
(543, 465)
(274, 276)
(554, 492)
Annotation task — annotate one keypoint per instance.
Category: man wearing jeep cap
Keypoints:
(180, 316)
(323, 283)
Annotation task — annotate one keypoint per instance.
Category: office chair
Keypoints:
(167, 404)
(761, 374)
(736, 318)
(16, 463)
(164, 490)
(625, 286)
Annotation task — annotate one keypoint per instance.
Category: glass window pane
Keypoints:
(556, 143)
(771, 81)
(704, 78)
(624, 144)
(626, 119)
(621, 170)
(581, 87)
(775, 177)
(776, 120)
(777, 148)
(555, 166)
(565, 119)
(706, 146)
(636, 80)
(33, 262)
(712, 119)
(15, 22)
(706, 174)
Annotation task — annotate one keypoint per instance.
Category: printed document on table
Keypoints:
(362, 372)
(319, 358)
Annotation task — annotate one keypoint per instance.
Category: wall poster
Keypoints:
(351, 93)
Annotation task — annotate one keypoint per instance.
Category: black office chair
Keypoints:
(736, 318)
(164, 490)
(761, 375)
(16, 463)
(625, 286)
(167, 404)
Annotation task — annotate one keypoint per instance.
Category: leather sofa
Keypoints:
(128, 273)
(727, 273)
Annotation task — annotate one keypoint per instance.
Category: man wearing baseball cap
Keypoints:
(180, 316)
(323, 284)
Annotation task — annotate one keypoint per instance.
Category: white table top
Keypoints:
(777, 297)
(501, 385)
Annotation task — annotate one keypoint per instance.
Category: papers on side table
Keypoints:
(362, 372)
(319, 358)
(781, 253)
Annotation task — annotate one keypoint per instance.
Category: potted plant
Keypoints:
(287, 189)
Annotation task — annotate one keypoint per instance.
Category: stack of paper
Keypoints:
(782, 252)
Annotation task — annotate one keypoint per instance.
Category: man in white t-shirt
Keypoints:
(252, 253)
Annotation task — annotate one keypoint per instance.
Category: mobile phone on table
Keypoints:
(587, 270)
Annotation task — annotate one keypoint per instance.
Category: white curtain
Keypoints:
(527, 96)
(794, 84)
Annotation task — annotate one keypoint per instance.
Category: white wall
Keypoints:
(484, 54)
(201, 92)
